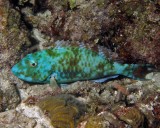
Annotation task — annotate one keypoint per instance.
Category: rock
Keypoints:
(12, 39)
(13, 119)
(9, 96)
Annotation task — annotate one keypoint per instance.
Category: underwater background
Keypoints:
(128, 28)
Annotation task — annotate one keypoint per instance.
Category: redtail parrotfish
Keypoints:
(69, 62)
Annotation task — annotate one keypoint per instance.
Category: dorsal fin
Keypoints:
(62, 43)
(102, 51)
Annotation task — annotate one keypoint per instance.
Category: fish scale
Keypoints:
(72, 61)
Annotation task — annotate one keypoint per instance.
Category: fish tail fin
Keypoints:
(142, 70)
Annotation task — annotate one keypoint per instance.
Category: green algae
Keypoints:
(72, 3)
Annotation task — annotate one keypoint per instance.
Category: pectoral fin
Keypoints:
(53, 83)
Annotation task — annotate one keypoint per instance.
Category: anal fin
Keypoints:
(102, 80)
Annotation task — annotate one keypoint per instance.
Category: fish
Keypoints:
(70, 62)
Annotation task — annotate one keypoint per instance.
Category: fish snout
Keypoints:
(18, 73)
(15, 70)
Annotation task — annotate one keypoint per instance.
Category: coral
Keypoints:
(95, 122)
(104, 119)
(131, 116)
(62, 110)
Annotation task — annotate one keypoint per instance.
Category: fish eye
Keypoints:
(33, 64)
